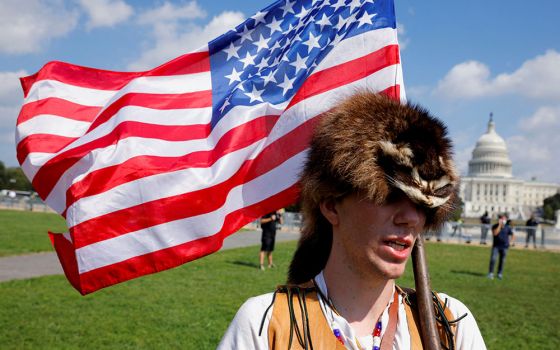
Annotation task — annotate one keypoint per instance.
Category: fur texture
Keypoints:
(373, 145)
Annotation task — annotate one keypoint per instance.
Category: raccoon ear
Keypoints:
(329, 211)
(401, 154)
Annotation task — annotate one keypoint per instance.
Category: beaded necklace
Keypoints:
(376, 330)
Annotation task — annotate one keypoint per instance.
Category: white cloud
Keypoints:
(27, 31)
(461, 158)
(536, 152)
(172, 40)
(10, 87)
(106, 13)
(537, 78)
(401, 34)
(11, 98)
(170, 12)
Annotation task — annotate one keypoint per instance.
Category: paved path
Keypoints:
(43, 264)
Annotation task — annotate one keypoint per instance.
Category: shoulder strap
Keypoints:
(297, 314)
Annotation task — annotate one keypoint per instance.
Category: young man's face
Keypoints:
(375, 241)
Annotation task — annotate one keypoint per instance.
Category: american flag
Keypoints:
(154, 169)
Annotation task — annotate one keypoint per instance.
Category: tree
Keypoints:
(458, 212)
(550, 206)
(16, 180)
(3, 180)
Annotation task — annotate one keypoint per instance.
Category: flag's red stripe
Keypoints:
(393, 92)
(171, 257)
(193, 203)
(142, 166)
(46, 143)
(197, 99)
(67, 256)
(48, 175)
(100, 79)
(58, 107)
(347, 73)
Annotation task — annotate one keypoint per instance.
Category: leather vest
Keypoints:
(298, 321)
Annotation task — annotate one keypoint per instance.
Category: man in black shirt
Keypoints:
(268, 225)
(531, 224)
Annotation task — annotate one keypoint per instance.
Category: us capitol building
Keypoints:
(490, 185)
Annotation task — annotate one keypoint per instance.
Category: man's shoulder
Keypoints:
(254, 304)
(243, 331)
(457, 307)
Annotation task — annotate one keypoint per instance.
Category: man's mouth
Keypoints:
(398, 246)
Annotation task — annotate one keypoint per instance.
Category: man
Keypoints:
(378, 173)
(268, 237)
(531, 224)
(502, 233)
(484, 227)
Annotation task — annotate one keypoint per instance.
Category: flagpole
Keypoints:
(428, 330)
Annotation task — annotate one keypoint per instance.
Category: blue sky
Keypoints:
(462, 60)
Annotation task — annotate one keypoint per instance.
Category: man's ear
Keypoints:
(329, 211)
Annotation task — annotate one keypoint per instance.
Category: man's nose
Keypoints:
(409, 214)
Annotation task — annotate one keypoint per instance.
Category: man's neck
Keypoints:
(359, 300)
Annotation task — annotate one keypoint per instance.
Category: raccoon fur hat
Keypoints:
(372, 145)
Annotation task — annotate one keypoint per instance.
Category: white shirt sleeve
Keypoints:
(243, 332)
(468, 335)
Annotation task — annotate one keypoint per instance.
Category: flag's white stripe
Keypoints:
(173, 84)
(52, 88)
(358, 46)
(177, 232)
(163, 185)
(137, 146)
(52, 125)
(107, 202)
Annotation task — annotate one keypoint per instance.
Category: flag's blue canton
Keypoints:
(269, 56)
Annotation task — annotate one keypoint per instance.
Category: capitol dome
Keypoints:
(490, 155)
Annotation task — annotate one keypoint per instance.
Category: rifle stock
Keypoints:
(428, 330)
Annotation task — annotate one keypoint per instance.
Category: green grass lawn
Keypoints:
(190, 307)
(26, 232)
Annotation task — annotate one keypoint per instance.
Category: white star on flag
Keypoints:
(274, 26)
(324, 21)
(255, 95)
(299, 63)
(287, 84)
(232, 51)
(261, 43)
(312, 42)
(248, 60)
(234, 76)
(366, 19)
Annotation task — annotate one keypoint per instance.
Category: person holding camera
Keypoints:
(502, 233)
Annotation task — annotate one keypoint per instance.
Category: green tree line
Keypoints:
(551, 205)
(12, 178)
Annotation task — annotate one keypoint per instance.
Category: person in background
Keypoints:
(268, 237)
(502, 233)
(531, 224)
(484, 227)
